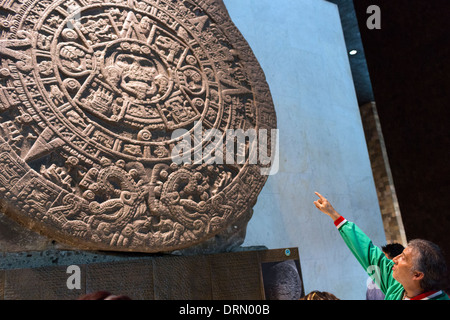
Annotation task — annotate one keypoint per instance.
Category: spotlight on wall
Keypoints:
(353, 52)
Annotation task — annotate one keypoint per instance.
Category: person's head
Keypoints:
(102, 295)
(392, 250)
(319, 295)
(420, 264)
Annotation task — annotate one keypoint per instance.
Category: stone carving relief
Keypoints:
(90, 94)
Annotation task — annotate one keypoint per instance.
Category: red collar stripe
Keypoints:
(427, 295)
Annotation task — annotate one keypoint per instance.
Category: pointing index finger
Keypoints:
(320, 196)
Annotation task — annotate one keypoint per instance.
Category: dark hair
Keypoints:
(103, 295)
(319, 295)
(431, 262)
(393, 249)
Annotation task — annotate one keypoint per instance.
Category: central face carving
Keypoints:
(134, 71)
(138, 75)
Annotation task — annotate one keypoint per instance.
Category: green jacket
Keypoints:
(376, 264)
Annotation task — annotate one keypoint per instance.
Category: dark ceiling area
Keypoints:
(360, 72)
(408, 63)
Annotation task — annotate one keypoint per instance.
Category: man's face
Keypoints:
(403, 267)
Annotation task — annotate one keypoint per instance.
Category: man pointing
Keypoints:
(416, 274)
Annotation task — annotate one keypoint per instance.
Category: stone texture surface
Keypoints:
(91, 93)
(44, 283)
(16, 238)
(183, 278)
(224, 276)
(282, 281)
(236, 276)
(387, 196)
(2, 284)
(131, 278)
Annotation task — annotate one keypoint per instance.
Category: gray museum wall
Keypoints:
(300, 46)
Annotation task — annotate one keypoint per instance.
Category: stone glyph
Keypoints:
(90, 94)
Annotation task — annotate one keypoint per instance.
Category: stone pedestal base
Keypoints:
(67, 275)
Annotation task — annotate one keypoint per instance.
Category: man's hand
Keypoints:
(323, 205)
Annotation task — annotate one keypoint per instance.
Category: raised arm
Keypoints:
(369, 256)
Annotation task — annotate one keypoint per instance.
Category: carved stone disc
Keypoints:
(92, 93)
